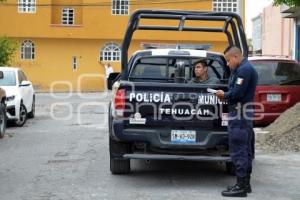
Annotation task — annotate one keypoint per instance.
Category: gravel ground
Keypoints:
(284, 133)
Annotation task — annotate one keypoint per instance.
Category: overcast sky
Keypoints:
(253, 8)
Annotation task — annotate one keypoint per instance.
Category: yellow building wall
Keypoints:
(52, 67)
(56, 44)
(97, 21)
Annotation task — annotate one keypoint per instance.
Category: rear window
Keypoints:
(156, 68)
(277, 72)
(159, 68)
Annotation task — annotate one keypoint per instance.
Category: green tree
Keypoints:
(291, 3)
(7, 50)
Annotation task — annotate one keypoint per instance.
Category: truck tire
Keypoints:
(2, 120)
(118, 165)
(230, 168)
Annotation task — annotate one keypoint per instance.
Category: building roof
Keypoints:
(290, 12)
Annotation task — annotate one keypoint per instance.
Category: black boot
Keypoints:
(248, 188)
(238, 190)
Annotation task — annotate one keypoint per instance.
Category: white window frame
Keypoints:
(27, 50)
(27, 6)
(66, 18)
(110, 52)
(120, 7)
(74, 63)
(226, 6)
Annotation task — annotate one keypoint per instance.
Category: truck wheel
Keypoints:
(230, 168)
(2, 120)
(118, 165)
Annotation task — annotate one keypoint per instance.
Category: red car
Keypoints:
(278, 87)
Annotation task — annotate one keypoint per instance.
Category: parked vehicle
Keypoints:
(278, 87)
(155, 113)
(2, 109)
(20, 96)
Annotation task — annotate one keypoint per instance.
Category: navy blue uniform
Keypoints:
(242, 84)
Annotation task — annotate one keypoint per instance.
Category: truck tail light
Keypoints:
(119, 102)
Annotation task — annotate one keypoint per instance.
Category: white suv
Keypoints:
(20, 96)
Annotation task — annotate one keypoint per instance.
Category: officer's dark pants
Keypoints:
(240, 133)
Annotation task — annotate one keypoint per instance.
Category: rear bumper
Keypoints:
(177, 157)
(160, 138)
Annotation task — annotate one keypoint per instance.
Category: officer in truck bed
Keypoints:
(242, 84)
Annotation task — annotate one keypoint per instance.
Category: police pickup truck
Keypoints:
(156, 113)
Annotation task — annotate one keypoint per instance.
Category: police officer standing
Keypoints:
(242, 84)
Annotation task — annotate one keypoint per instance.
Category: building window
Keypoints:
(74, 62)
(226, 6)
(27, 50)
(26, 6)
(110, 52)
(68, 16)
(120, 7)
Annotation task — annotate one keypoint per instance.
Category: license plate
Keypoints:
(183, 136)
(274, 97)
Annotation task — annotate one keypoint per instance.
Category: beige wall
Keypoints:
(277, 33)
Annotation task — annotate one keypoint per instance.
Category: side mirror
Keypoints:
(113, 77)
(1, 75)
(25, 83)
